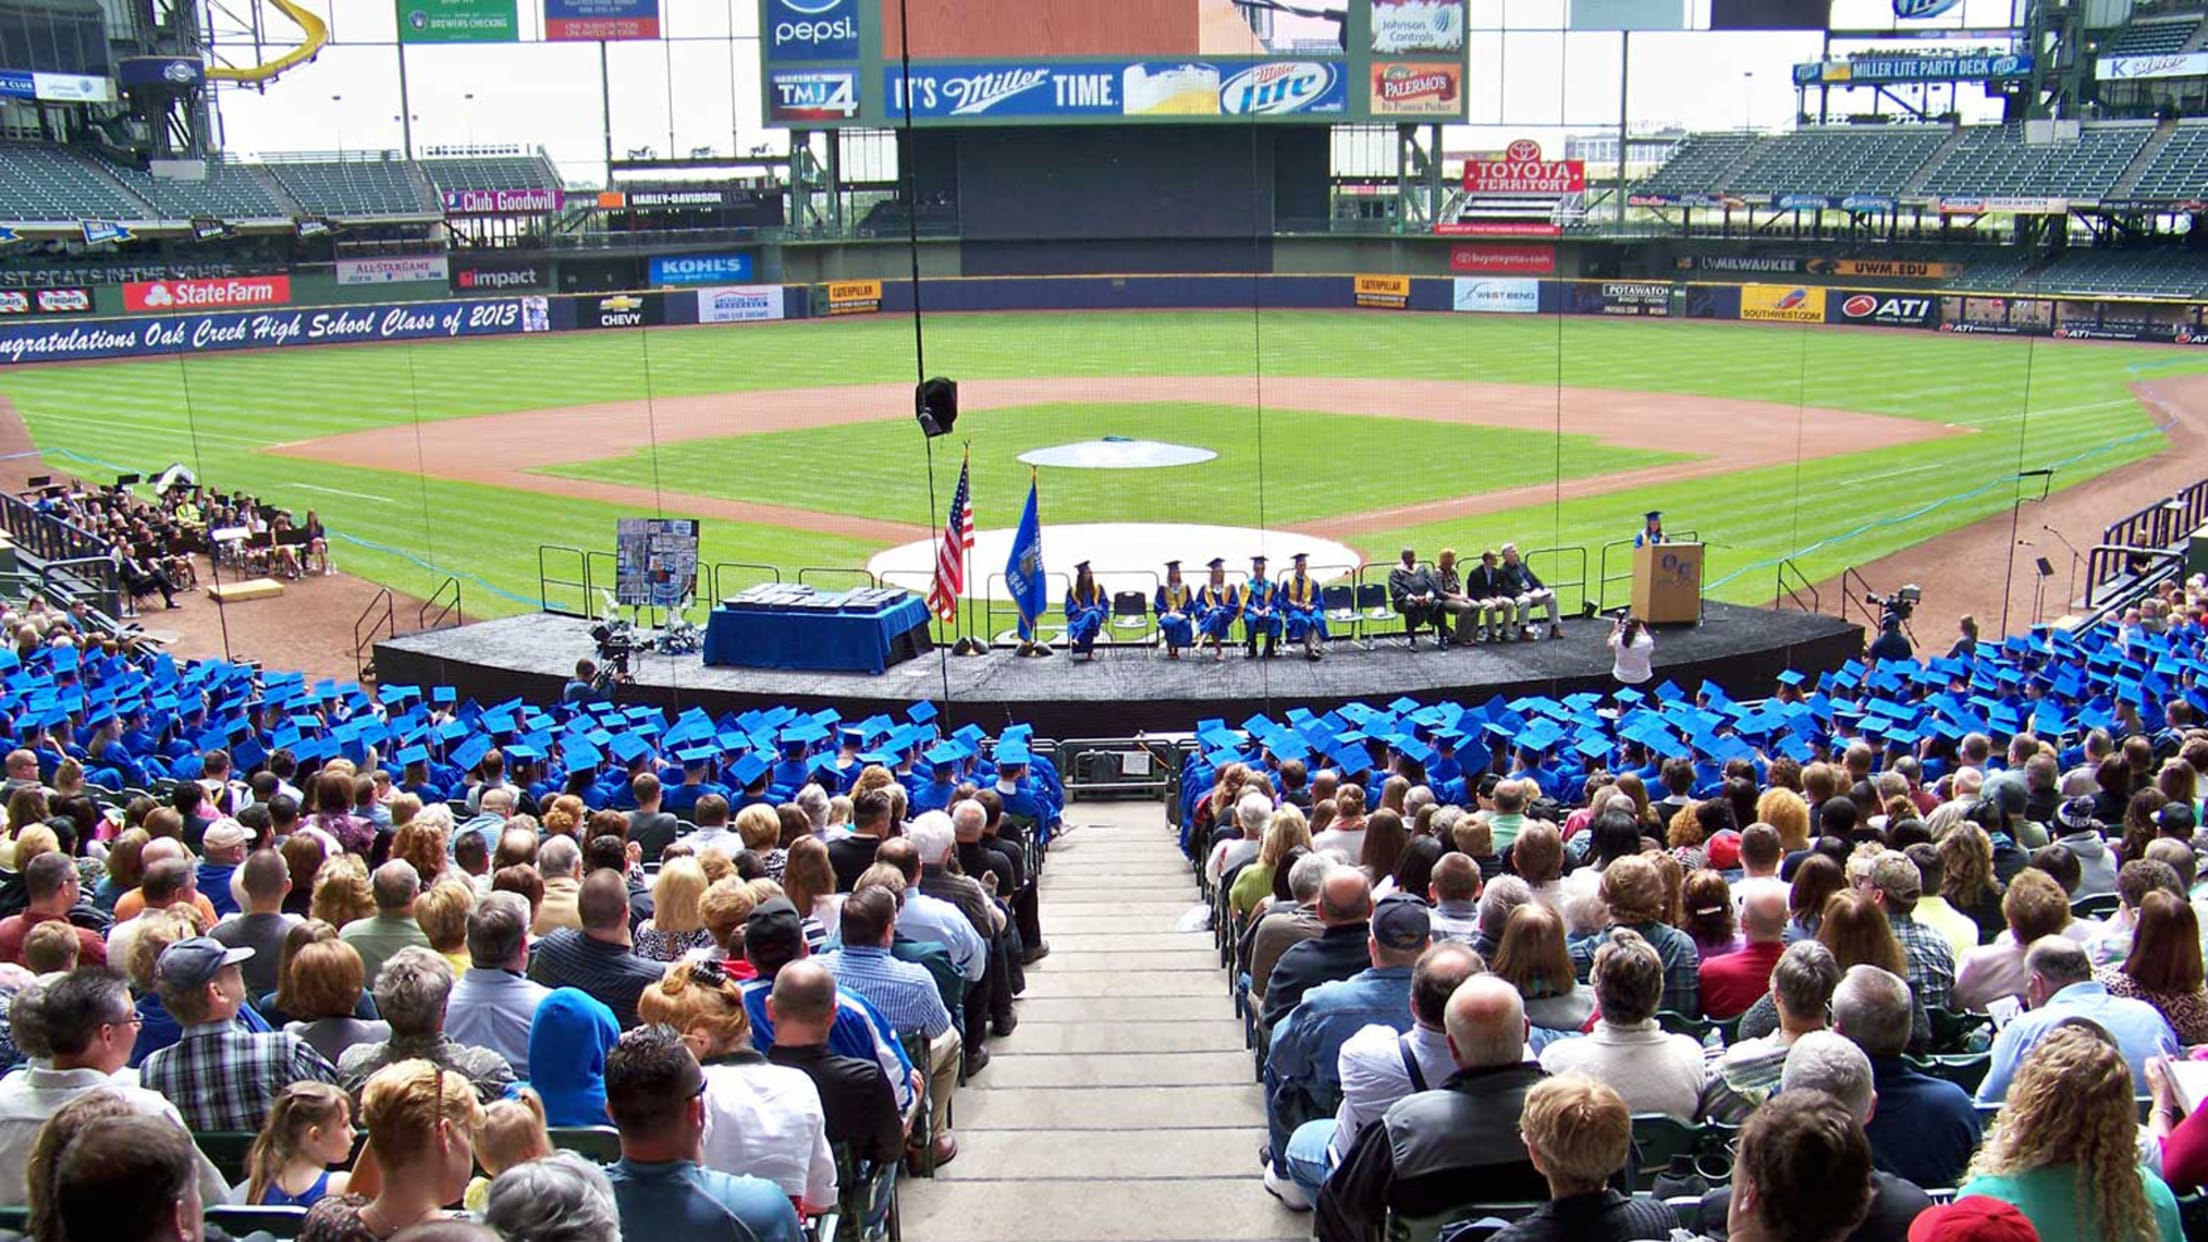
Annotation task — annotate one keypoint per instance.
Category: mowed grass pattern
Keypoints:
(1273, 466)
(2029, 403)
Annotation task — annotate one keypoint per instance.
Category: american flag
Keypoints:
(950, 555)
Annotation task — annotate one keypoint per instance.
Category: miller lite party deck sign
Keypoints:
(1521, 170)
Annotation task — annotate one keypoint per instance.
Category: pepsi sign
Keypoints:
(812, 30)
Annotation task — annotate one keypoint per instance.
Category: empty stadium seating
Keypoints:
(355, 187)
(2173, 273)
(230, 192)
(2180, 169)
(55, 183)
(1997, 161)
(505, 172)
(1697, 163)
(2152, 38)
(1839, 161)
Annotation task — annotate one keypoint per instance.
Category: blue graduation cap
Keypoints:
(443, 695)
(581, 752)
(413, 755)
(922, 712)
(747, 769)
(471, 752)
(1013, 752)
(628, 747)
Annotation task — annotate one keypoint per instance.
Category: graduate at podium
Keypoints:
(1260, 610)
(1086, 609)
(1300, 607)
(1217, 605)
(1172, 604)
(1652, 529)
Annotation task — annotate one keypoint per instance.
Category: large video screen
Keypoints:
(1012, 62)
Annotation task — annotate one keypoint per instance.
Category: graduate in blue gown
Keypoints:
(1086, 609)
(1172, 604)
(1260, 610)
(1300, 607)
(1652, 529)
(1217, 605)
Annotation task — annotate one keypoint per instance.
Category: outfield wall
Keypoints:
(85, 338)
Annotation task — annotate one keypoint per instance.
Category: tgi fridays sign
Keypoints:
(1521, 170)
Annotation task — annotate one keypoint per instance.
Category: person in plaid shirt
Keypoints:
(220, 1075)
(1894, 883)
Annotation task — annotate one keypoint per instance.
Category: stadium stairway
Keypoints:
(1122, 1107)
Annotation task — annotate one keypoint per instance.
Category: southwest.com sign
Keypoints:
(811, 29)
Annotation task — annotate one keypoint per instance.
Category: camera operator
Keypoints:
(588, 685)
(1633, 649)
(1891, 643)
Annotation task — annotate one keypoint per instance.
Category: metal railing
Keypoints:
(549, 578)
(442, 606)
(726, 578)
(2163, 524)
(1854, 592)
(2117, 574)
(816, 575)
(379, 615)
(45, 536)
(1792, 592)
(93, 579)
(1574, 555)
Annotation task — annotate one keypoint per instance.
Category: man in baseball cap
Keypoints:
(1973, 1218)
(220, 1074)
(774, 936)
(1301, 1066)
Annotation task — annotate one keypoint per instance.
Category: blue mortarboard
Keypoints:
(443, 695)
(1792, 677)
(747, 769)
(1593, 748)
(921, 712)
(452, 730)
(414, 754)
(581, 752)
(521, 752)
(628, 746)
(471, 752)
(944, 754)
(1012, 751)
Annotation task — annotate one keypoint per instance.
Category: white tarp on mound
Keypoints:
(1117, 455)
(1127, 556)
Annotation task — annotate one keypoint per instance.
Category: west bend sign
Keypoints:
(1521, 170)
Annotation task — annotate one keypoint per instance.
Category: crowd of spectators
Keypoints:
(405, 982)
(1896, 957)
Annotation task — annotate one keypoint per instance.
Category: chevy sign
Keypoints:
(701, 269)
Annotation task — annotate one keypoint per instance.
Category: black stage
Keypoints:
(1133, 689)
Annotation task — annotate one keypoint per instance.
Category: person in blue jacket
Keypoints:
(1260, 611)
(1086, 609)
(1300, 607)
(1652, 529)
(1172, 603)
(1217, 605)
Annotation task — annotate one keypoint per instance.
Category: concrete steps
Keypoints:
(1122, 1109)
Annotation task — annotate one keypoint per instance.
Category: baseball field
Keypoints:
(794, 443)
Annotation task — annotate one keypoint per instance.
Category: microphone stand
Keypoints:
(2075, 558)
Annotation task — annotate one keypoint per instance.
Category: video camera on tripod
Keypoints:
(616, 641)
(1899, 606)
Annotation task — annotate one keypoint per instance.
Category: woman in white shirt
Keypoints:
(1633, 648)
(762, 1119)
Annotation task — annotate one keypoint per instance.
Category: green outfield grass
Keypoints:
(1278, 466)
(2030, 403)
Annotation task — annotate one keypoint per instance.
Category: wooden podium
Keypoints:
(1667, 583)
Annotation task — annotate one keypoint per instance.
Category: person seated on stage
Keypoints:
(1175, 605)
(1086, 610)
(1260, 610)
(1652, 530)
(1300, 606)
(1217, 605)
(1450, 598)
(1526, 593)
(1411, 593)
(1493, 609)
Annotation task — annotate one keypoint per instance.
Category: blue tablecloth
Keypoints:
(825, 641)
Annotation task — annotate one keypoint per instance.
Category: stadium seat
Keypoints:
(599, 1143)
(1657, 1139)
(866, 1193)
(2098, 906)
(239, 1220)
(1965, 1070)
(1952, 1031)
(1131, 619)
(1402, 1228)
(925, 1125)
(227, 1149)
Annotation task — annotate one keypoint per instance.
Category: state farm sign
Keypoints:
(232, 291)
(1521, 170)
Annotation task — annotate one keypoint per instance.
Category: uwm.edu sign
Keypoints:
(1521, 170)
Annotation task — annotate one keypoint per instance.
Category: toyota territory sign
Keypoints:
(1521, 170)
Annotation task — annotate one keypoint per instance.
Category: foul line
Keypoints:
(338, 491)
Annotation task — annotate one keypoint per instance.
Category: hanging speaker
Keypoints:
(935, 404)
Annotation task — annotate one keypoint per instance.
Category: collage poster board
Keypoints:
(655, 561)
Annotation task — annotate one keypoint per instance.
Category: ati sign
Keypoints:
(1885, 310)
(165, 295)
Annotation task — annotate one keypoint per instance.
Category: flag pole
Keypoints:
(966, 600)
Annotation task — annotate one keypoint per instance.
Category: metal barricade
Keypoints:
(825, 577)
(1604, 582)
(1570, 575)
(1119, 766)
(726, 578)
(2119, 574)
